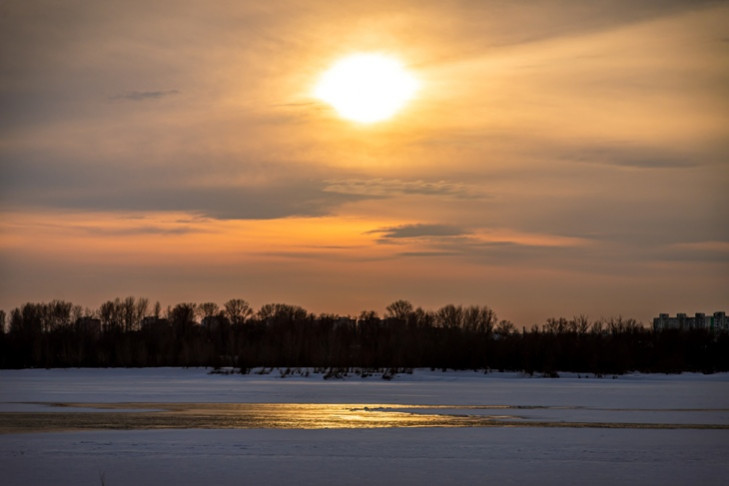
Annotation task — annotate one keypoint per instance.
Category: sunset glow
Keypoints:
(542, 158)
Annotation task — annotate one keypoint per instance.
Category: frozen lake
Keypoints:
(424, 428)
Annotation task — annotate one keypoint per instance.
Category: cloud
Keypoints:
(698, 251)
(419, 230)
(628, 155)
(518, 256)
(217, 189)
(717, 246)
(144, 95)
(428, 254)
(379, 187)
(475, 26)
(140, 230)
(277, 200)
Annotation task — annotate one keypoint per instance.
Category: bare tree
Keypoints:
(423, 318)
(479, 319)
(208, 309)
(582, 323)
(77, 312)
(57, 314)
(111, 316)
(237, 311)
(505, 328)
(556, 325)
(140, 311)
(183, 315)
(367, 316)
(449, 316)
(282, 313)
(400, 309)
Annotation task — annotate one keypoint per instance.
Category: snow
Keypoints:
(423, 387)
(380, 456)
(490, 455)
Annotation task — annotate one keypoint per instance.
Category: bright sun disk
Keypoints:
(366, 87)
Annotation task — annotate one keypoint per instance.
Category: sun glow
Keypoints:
(366, 88)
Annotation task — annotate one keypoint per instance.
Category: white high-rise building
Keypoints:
(717, 322)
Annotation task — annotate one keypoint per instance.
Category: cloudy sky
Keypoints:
(561, 158)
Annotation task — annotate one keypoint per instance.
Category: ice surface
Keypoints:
(382, 457)
(423, 387)
(496, 455)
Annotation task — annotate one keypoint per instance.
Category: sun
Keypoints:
(366, 88)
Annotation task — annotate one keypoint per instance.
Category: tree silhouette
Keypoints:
(400, 310)
(237, 311)
(121, 333)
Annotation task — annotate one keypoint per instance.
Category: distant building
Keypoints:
(718, 322)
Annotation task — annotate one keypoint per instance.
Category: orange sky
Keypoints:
(560, 158)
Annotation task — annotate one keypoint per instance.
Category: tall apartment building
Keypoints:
(717, 322)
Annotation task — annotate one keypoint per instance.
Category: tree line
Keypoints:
(132, 333)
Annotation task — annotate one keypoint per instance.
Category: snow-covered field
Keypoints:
(475, 455)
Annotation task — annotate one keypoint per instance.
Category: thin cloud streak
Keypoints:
(623, 155)
(418, 230)
(378, 187)
(144, 95)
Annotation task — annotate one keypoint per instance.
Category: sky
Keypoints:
(560, 158)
